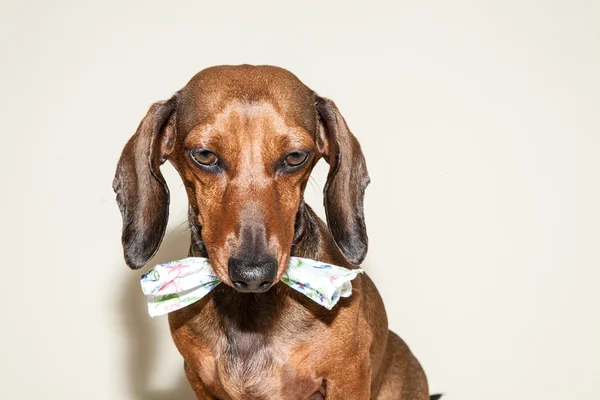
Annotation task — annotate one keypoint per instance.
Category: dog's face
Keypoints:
(244, 140)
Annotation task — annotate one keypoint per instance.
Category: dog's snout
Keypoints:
(252, 276)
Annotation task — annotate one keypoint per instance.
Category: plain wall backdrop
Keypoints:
(480, 127)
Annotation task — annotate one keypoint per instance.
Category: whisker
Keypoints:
(314, 184)
(179, 226)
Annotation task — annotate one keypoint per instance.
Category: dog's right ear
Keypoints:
(142, 193)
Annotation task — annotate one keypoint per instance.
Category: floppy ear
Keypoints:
(142, 193)
(346, 182)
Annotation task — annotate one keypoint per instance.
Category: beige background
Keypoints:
(481, 130)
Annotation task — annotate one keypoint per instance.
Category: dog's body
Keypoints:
(282, 345)
(244, 139)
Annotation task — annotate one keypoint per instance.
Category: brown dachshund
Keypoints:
(244, 140)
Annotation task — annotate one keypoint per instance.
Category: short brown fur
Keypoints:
(278, 344)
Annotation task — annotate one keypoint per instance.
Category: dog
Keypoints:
(244, 140)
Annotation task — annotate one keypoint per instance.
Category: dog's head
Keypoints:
(244, 139)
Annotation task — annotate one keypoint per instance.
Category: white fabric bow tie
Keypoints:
(176, 284)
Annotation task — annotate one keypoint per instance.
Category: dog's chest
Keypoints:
(252, 366)
(251, 351)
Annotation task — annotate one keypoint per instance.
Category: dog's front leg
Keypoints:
(351, 381)
(196, 383)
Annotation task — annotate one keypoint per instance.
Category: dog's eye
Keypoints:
(204, 157)
(296, 158)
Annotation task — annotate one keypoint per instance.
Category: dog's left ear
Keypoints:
(142, 193)
(347, 180)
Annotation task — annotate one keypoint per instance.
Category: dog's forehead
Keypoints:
(214, 89)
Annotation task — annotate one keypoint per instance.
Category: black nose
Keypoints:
(252, 276)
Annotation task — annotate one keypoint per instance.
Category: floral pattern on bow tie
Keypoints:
(177, 284)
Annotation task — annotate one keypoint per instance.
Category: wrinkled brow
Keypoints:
(247, 121)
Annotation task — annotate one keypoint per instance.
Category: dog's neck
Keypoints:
(308, 237)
